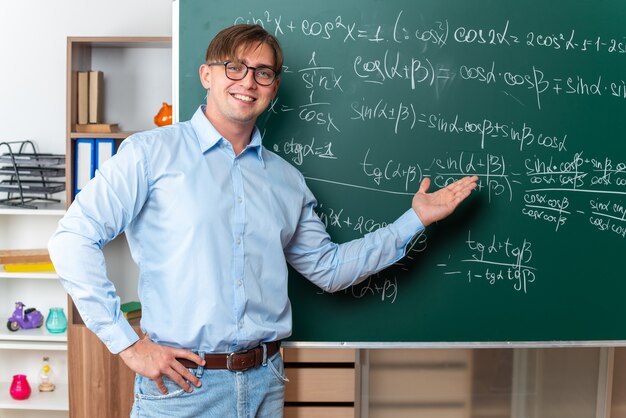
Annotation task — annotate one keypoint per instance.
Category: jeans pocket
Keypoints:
(147, 389)
(277, 367)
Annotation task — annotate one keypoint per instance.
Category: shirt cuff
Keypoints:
(408, 225)
(119, 336)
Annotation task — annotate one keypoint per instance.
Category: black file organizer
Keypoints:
(27, 174)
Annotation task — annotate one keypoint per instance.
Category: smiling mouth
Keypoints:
(243, 98)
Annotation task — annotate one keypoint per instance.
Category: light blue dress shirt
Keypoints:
(211, 233)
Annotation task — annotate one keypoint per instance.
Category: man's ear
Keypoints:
(205, 76)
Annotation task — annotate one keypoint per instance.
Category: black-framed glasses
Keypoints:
(264, 76)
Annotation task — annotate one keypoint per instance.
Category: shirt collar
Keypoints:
(208, 136)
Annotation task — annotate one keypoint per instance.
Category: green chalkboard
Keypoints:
(376, 95)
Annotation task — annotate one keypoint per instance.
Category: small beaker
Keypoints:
(56, 321)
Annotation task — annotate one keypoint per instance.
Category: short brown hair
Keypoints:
(228, 40)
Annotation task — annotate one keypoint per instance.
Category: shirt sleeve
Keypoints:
(101, 211)
(333, 266)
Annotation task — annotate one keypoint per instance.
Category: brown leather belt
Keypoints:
(237, 361)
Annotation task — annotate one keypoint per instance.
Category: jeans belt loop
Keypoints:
(264, 362)
(200, 368)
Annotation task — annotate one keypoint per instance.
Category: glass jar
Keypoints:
(20, 389)
(56, 321)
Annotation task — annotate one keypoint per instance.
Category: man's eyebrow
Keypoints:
(244, 61)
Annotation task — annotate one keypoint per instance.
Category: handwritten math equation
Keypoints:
(393, 77)
(438, 33)
(495, 260)
(388, 64)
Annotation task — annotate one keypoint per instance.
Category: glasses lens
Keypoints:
(264, 76)
(235, 71)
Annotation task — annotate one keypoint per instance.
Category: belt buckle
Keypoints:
(229, 361)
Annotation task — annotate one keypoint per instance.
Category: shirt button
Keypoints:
(239, 282)
(241, 324)
(238, 241)
(239, 200)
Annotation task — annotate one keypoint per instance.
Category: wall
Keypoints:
(33, 37)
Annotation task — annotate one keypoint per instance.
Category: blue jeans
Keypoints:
(258, 392)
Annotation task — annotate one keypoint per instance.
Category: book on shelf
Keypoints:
(95, 128)
(82, 99)
(37, 255)
(95, 96)
(131, 310)
(29, 268)
(133, 315)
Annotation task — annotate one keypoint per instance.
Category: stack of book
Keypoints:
(131, 310)
(89, 103)
(26, 261)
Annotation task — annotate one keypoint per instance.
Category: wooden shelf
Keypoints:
(121, 41)
(58, 400)
(114, 135)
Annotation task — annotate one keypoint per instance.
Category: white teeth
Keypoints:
(242, 97)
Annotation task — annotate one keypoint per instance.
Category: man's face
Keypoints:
(238, 102)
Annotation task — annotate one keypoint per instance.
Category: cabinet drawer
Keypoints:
(410, 385)
(411, 356)
(318, 412)
(319, 355)
(417, 412)
(320, 385)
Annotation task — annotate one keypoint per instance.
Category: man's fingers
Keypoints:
(463, 187)
(424, 185)
(465, 182)
(189, 355)
(180, 370)
(178, 379)
(187, 376)
(160, 385)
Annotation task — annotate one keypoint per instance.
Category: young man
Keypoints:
(212, 218)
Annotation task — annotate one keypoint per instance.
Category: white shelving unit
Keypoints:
(56, 400)
(22, 351)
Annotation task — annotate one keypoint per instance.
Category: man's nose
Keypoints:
(249, 81)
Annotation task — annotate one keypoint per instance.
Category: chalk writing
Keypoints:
(498, 260)
(487, 130)
(297, 152)
(540, 206)
(391, 171)
(336, 218)
(396, 113)
(608, 216)
(381, 101)
(440, 32)
(491, 169)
